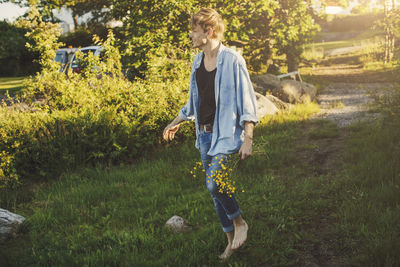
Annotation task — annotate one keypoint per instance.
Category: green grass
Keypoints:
(369, 42)
(371, 208)
(367, 36)
(116, 216)
(11, 84)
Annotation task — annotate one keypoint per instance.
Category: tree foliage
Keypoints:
(260, 28)
(12, 40)
(266, 28)
(294, 26)
(15, 58)
(44, 35)
(99, 9)
(153, 28)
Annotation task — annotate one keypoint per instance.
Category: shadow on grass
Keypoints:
(13, 85)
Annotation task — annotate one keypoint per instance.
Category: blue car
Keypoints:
(64, 58)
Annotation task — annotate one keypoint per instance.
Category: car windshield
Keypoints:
(60, 57)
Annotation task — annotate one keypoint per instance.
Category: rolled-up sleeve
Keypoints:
(187, 112)
(246, 99)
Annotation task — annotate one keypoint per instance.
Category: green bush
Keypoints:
(98, 116)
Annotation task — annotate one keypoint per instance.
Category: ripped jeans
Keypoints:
(225, 204)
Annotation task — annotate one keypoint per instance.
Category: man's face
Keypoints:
(199, 37)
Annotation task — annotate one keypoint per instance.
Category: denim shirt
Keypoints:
(234, 98)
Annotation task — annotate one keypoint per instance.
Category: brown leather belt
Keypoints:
(207, 128)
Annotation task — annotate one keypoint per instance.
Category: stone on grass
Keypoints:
(264, 106)
(277, 102)
(266, 82)
(177, 224)
(9, 224)
(295, 92)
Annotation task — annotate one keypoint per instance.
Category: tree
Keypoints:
(389, 28)
(265, 28)
(153, 28)
(12, 44)
(98, 8)
(15, 58)
(294, 26)
(43, 34)
(249, 26)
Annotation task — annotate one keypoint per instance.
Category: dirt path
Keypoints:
(347, 103)
(349, 94)
(345, 100)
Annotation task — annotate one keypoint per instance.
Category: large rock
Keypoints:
(266, 82)
(264, 106)
(9, 224)
(277, 102)
(295, 92)
(310, 92)
(177, 224)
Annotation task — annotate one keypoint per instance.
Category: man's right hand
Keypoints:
(169, 132)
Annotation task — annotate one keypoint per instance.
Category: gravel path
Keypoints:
(347, 103)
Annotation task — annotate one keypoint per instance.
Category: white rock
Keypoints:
(177, 224)
(277, 102)
(265, 106)
(9, 224)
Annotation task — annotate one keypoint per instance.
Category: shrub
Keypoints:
(98, 116)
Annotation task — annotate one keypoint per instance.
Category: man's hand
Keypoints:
(169, 132)
(171, 129)
(246, 149)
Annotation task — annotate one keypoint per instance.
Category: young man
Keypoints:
(223, 104)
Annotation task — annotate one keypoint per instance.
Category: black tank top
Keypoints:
(205, 84)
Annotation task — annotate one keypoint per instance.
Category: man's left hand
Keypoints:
(246, 149)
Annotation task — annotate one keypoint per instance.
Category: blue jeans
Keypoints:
(225, 204)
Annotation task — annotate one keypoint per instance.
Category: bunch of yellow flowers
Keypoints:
(222, 177)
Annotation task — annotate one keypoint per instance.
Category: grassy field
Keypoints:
(370, 36)
(363, 46)
(11, 84)
(304, 206)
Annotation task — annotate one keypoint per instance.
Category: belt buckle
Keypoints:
(208, 128)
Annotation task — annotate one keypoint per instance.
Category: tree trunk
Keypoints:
(387, 32)
(292, 62)
(391, 46)
(75, 18)
(389, 7)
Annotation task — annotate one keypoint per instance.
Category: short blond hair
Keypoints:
(208, 18)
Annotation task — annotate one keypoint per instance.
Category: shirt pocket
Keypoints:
(227, 95)
(227, 115)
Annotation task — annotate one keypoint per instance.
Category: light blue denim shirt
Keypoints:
(234, 98)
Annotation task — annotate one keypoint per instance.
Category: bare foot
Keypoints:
(227, 253)
(240, 235)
